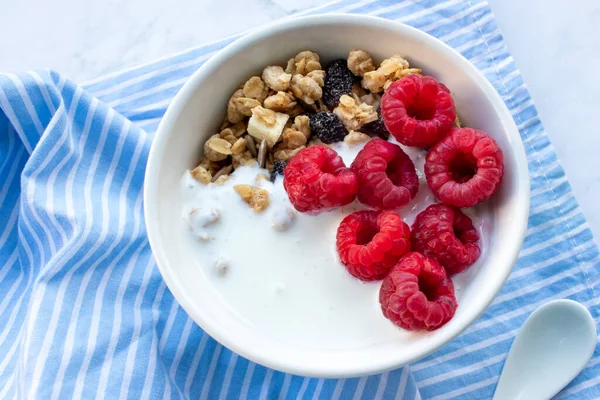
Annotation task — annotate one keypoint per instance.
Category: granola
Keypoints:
(353, 113)
(360, 62)
(276, 78)
(391, 69)
(255, 197)
(267, 116)
(256, 89)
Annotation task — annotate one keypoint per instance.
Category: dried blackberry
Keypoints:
(327, 126)
(278, 168)
(338, 81)
(376, 127)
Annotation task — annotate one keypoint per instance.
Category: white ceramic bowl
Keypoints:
(195, 114)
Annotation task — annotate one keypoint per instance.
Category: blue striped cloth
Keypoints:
(84, 312)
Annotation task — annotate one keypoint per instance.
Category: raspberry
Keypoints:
(386, 175)
(338, 81)
(371, 242)
(327, 126)
(465, 167)
(377, 127)
(316, 180)
(278, 168)
(418, 110)
(417, 294)
(448, 235)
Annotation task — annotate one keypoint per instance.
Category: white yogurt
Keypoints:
(279, 269)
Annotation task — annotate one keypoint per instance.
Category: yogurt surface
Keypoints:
(279, 271)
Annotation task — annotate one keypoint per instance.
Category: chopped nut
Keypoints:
(233, 114)
(281, 102)
(360, 62)
(293, 138)
(250, 145)
(260, 199)
(318, 76)
(256, 198)
(306, 89)
(244, 105)
(302, 124)
(221, 180)
(457, 122)
(256, 89)
(217, 149)
(354, 114)
(239, 146)
(262, 153)
(242, 159)
(261, 177)
(356, 137)
(305, 62)
(228, 135)
(209, 165)
(276, 78)
(201, 174)
(286, 154)
(373, 81)
(267, 124)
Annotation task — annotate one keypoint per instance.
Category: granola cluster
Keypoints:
(268, 117)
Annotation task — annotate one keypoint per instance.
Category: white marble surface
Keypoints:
(556, 45)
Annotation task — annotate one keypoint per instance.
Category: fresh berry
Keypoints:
(386, 175)
(418, 110)
(465, 167)
(278, 168)
(377, 127)
(338, 81)
(448, 235)
(327, 126)
(316, 180)
(371, 242)
(417, 294)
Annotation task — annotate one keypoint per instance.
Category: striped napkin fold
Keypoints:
(84, 312)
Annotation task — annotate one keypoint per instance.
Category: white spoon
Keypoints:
(551, 348)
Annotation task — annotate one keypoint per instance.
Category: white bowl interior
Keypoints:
(197, 112)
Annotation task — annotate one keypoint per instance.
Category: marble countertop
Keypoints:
(556, 44)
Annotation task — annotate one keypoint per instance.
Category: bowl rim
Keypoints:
(168, 121)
